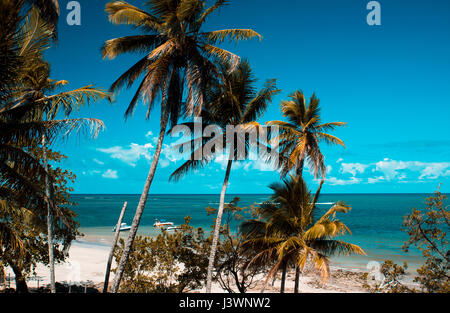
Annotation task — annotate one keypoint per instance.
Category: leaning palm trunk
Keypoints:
(51, 257)
(111, 254)
(297, 269)
(212, 254)
(140, 208)
(283, 277)
(297, 279)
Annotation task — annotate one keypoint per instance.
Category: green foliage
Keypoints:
(391, 274)
(171, 262)
(427, 231)
(434, 276)
(177, 262)
(233, 264)
(23, 228)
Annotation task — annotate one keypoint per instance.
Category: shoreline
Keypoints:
(88, 257)
(350, 263)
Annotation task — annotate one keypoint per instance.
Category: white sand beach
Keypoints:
(87, 264)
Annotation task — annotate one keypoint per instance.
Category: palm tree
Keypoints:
(22, 109)
(178, 56)
(28, 115)
(290, 230)
(237, 103)
(299, 137)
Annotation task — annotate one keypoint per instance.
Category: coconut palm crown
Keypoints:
(178, 54)
(290, 230)
(233, 102)
(300, 136)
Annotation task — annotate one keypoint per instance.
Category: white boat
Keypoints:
(172, 228)
(123, 227)
(162, 223)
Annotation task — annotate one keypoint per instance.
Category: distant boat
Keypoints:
(172, 228)
(123, 227)
(162, 223)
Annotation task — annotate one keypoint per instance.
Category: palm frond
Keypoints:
(73, 99)
(224, 56)
(208, 11)
(259, 104)
(121, 12)
(236, 35)
(329, 139)
(129, 44)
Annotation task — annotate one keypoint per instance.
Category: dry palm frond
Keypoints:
(121, 12)
(73, 99)
(232, 35)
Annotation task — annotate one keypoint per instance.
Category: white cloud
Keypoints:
(339, 160)
(163, 163)
(398, 170)
(342, 182)
(130, 155)
(170, 153)
(110, 174)
(353, 168)
(149, 134)
(262, 166)
(435, 170)
(91, 172)
(222, 160)
(393, 169)
(98, 161)
(374, 180)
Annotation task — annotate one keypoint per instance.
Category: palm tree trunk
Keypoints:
(297, 279)
(212, 254)
(140, 208)
(111, 254)
(51, 257)
(300, 167)
(21, 283)
(283, 277)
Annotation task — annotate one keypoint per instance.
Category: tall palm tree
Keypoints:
(237, 103)
(300, 136)
(290, 230)
(178, 56)
(22, 109)
(29, 114)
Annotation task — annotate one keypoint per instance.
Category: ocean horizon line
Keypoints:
(251, 194)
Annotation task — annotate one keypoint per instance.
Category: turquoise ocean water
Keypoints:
(375, 219)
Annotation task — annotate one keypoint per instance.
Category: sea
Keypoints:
(375, 220)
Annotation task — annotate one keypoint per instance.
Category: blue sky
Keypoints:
(390, 83)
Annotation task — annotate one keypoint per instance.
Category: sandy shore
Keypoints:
(87, 263)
